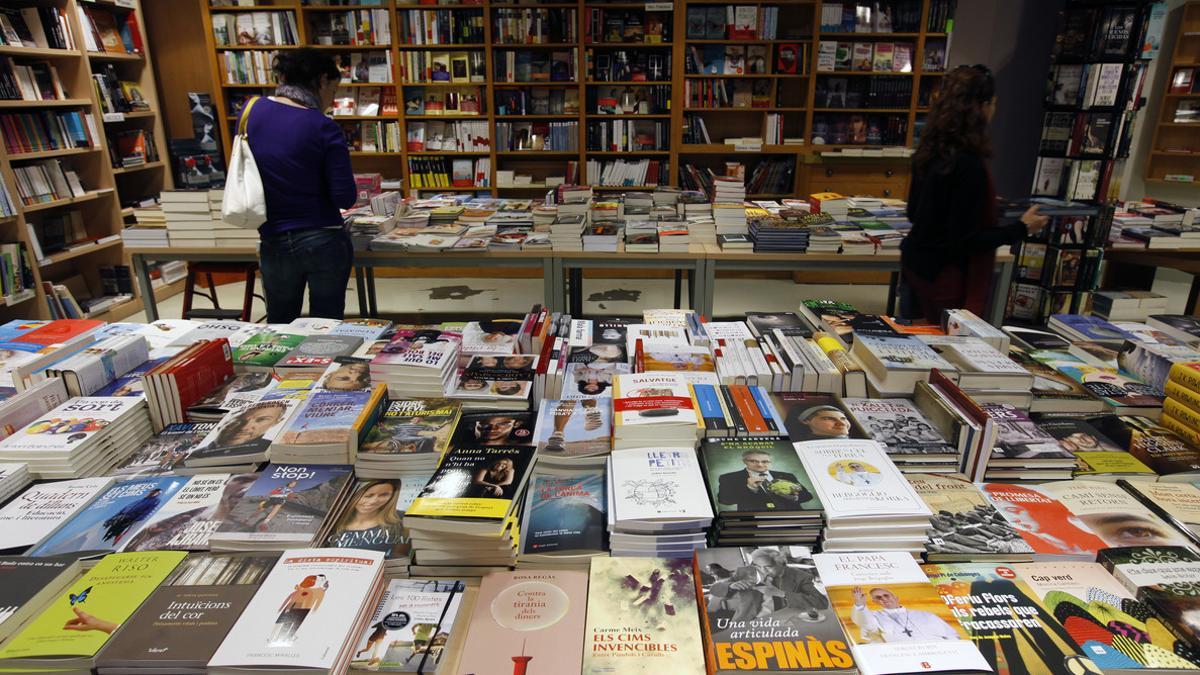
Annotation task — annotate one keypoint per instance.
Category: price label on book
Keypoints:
(114, 117)
(659, 6)
(131, 4)
(747, 147)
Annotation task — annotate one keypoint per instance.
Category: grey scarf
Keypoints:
(301, 95)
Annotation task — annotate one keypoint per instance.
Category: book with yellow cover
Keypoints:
(479, 483)
(79, 622)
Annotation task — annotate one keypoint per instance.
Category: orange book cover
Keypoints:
(1045, 523)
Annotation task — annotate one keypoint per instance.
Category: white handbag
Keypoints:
(244, 203)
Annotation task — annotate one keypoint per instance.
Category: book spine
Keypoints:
(1185, 376)
(1182, 394)
(739, 423)
(1181, 429)
(1181, 412)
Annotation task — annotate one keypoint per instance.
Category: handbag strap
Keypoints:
(241, 130)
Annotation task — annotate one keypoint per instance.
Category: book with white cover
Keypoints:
(68, 426)
(162, 333)
(894, 618)
(979, 364)
(654, 336)
(101, 363)
(211, 330)
(656, 484)
(28, 405)
(37, 512)
(728, 330)
(855, 479)
(311, 605)
(1116, 516)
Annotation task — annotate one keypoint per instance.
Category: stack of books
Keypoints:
(566, 231)
(14, 477)
(563, 524)
(464, 520)
(188, 218)
(869, 506)
(85, 436)
(176, 384)
(761, 492)
(730, 218)
(496, 382)
(419, 364)
(654, 508)
(327, 428)
(1023, 451)
(408, 438)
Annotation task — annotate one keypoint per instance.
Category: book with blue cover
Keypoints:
(118, 511)
(566, 512)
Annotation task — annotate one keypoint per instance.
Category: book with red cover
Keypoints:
(174, 386)
(1045, 523)
(58, 331)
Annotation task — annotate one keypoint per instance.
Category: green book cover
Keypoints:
(265, 349)
(81, 620)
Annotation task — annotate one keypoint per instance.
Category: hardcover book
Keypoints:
(1006, 621)
(894, 618)
(102, 600)
(109, 520)
(757, 476)
(307, 607)
(527, 621)
(183, 622)
(765, 610)
(641, 617)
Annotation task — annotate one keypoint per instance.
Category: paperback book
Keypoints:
(574, 428)
(565, 513)
(116, 514)
(761, 476)
(410, 627)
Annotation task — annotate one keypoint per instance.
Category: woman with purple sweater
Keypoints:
(305, 167)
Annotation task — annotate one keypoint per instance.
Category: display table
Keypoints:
(562, 270)
(718, 260)
(1186, 260)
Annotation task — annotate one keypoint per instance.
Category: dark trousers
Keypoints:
(320, 259)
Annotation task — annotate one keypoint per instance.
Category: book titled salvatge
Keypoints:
(642, 617)
(285, 504)
(39, 510)
(73, 628)
(764, 610)
(1004, 618)
(181, 624)
(410, 627)
(114, 516)
(306, 614)
(527, 622)
(894, 618)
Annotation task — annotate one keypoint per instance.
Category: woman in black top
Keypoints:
(948, 257)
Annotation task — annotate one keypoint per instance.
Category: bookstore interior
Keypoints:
(989, 462)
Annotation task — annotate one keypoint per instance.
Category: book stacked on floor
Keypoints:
(654, 508)
(86, 436)
(761, 491)
(464, 520)
(869, 506)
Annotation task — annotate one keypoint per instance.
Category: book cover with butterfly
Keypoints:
(80, 621)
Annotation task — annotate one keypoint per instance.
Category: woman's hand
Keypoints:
(1034, 222)
(85, 622)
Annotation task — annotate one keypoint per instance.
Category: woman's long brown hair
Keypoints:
(956, 123)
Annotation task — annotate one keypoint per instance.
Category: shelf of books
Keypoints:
(514, 98)
(1175, 154)
(78, 112)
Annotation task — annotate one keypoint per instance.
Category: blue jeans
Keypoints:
(320, 258)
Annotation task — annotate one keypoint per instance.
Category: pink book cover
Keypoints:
(526, 623)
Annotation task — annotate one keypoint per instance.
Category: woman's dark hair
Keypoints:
(956, 123)
(304, 67)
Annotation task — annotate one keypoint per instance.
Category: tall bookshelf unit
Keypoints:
(1176, 148)
(101, 208)
(621, 68)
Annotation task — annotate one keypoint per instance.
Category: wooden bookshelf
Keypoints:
(790, 95)
(101, 208)
(1176, 147)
